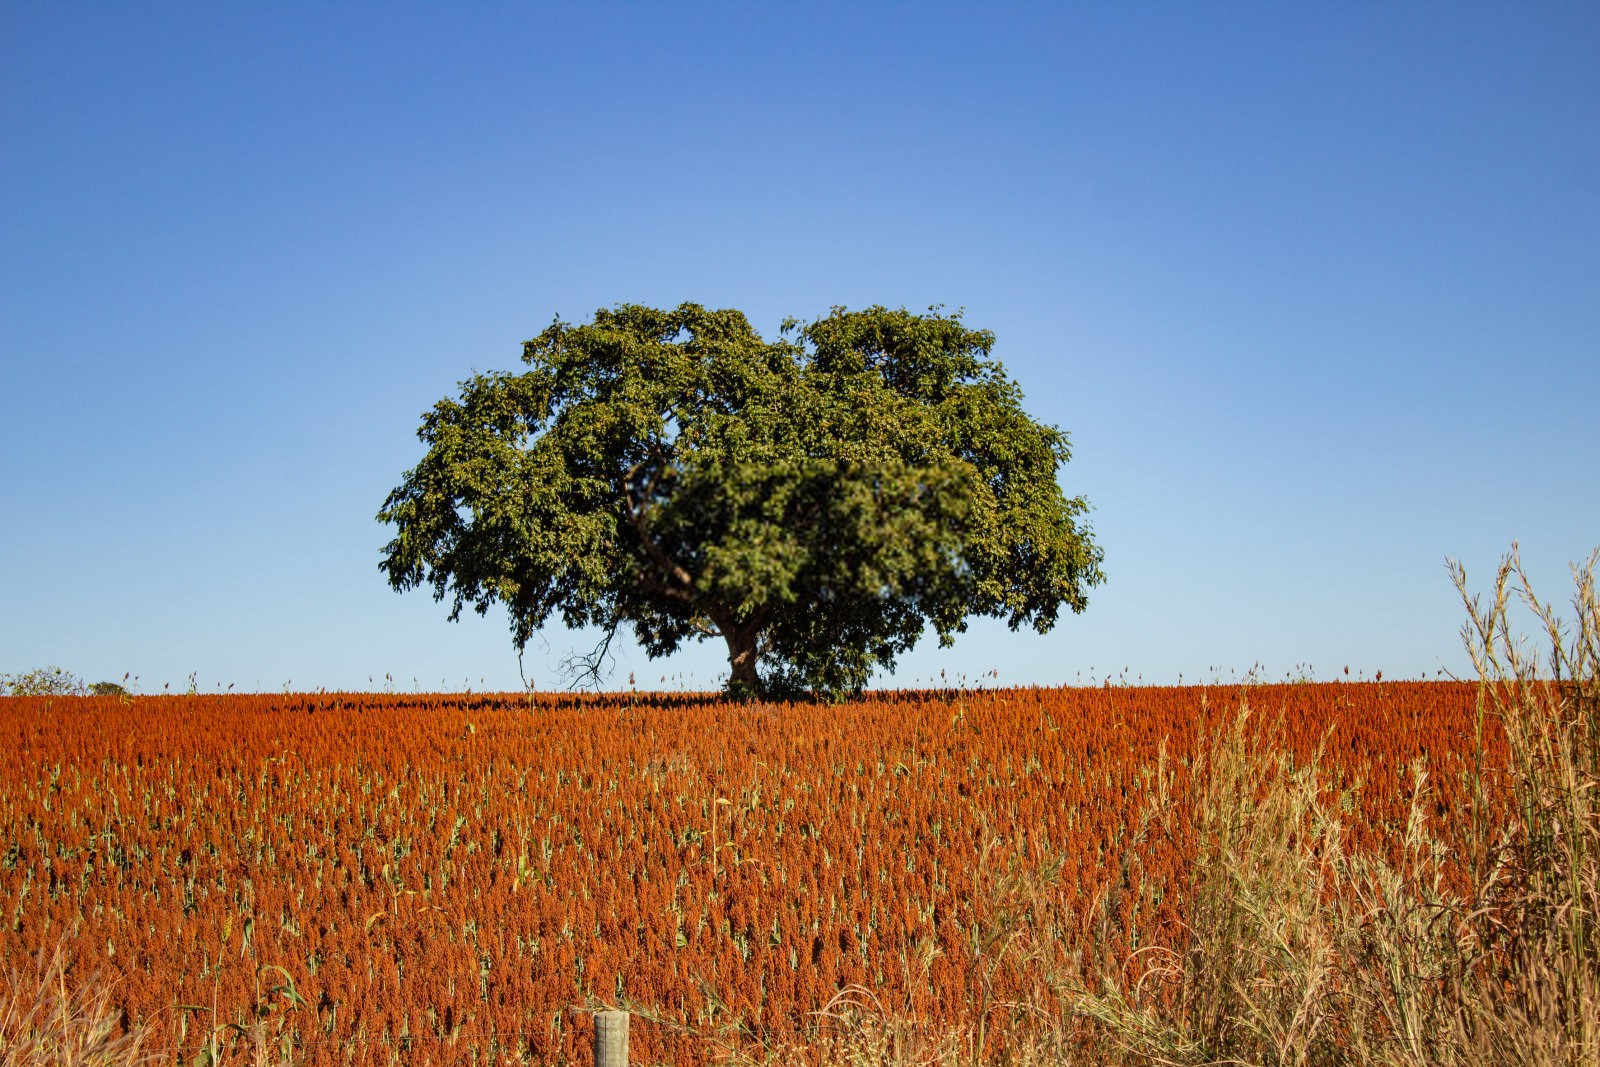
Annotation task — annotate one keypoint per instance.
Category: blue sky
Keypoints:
(1316, 293)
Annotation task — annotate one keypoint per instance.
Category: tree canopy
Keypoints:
(816, 501)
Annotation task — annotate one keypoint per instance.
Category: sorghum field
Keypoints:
(355, 878)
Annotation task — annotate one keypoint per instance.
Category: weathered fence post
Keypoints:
(610, 1039)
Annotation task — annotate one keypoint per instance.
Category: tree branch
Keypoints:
(636, 515)
(589, 669)
(655, 585)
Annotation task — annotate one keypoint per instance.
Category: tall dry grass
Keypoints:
(45, 1020)
(1472, 945)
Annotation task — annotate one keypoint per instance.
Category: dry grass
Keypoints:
(45, 1020)
(50, 1020)
(1477, 945)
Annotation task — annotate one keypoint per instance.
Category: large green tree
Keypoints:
(815, 501)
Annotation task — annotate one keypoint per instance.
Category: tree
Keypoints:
(815, 501)
(42, 682)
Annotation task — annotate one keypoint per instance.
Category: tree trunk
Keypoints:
(743, 681)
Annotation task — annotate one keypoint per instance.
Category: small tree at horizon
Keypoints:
(814, 501)
(42, 681)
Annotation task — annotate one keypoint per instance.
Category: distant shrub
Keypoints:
(108, 689)
(43, 682)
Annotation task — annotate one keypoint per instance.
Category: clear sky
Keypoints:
(1315, 289)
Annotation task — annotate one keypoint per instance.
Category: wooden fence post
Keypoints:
(611, 1039)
